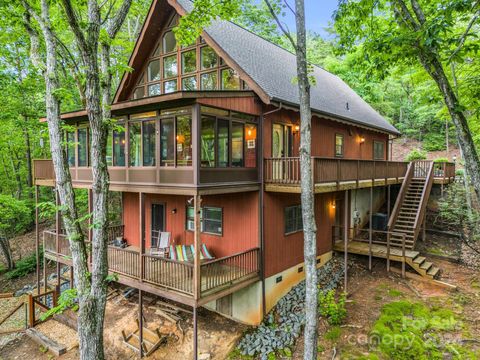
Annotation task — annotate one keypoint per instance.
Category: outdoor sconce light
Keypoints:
(249, 132)
(174, 211)
(454, 158)
(334, 204)
(296, 128)
(362, 140)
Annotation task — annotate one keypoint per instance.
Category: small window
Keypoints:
(169, 42)
(230, 80)
(211, 220)
(189, 83)
(170, 86)
(293, 219)
(339, 145)
(189, 61)
(208, 58)
(139, 93)
(170, 66)
(208, 81)
(154, 90)
(154, 70)
(378, 150)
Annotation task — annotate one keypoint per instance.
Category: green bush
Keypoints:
(24, 266)
(459, 172)
(15, 216)
(334, 310)
(416, 155)
(441, 160)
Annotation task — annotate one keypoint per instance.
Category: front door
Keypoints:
(158, 222)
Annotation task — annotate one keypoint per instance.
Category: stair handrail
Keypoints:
(423, 199)
(401, 196)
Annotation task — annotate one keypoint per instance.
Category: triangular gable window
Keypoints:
(171, 68)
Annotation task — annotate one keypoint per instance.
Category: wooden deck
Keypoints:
(170, 278)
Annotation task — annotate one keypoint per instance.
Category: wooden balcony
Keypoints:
(169, 278)
(332, 174)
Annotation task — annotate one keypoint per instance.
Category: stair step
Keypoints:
(426, 265)
(419, 260)
(433, 271)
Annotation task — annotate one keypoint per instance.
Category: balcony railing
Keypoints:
(166, 273)
(327, 170)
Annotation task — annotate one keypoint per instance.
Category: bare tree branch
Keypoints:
(280, 25)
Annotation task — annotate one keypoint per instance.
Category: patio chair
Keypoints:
(160, 243)
(186, 253)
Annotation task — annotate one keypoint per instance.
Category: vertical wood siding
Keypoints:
(240, 221)
(249, 105)
(284, 251)
(323, 136)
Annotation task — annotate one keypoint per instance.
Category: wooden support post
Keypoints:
(45, 285)
(140, 322)
(370, 233)
(196, 261)
(72, 282)
(195, 334)
(57, 233)
(388, 202)
(37, 240)
(345, 238)
(31, 311)
(141, 215)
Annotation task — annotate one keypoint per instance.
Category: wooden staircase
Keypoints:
(409, 210)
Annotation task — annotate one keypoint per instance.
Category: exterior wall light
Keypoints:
(362, 140)
(297, 128)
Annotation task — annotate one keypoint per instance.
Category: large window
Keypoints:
(293, 219)
(82, 146)
(135, 143)
(167, 142)
(184, 140)
(148, 137)
(71, 148)
(237, 144)
(207, 142)
(339, 145)
(211, 220)
(118, 147)
(378, 150)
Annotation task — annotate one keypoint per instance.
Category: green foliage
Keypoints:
(441, 160)
(24, 266)
(416, 155)
(333, 334)
(334, 310)
(67, 300)
(15, 216)
(407, 330)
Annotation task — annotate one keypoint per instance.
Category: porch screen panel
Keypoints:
(237, 144)
(222, 143)
(184, 140)
(207, 142)
(135, 143)
(83, 147)
(119, 148)
(148, 137)
(167, 142)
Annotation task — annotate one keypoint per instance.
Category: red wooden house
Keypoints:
(216, 125)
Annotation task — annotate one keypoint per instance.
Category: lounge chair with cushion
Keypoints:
(186, 253)
(160, 243)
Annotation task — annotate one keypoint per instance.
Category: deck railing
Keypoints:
(167, 273)
(329, 170)
(224, 271)
(176, 275)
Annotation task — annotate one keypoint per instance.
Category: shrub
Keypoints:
(333, 310)
(15, 216)
(333, 334)
(416, 155)
(441, 160)
(24, 266)
(459, 172)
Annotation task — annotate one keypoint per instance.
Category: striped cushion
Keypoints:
(187, 253)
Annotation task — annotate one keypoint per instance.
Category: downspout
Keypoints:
(280, 106)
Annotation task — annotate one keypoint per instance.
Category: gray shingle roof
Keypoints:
(273, 68)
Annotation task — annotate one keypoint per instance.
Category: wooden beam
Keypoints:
(37, 241)
(197, 206)
(57, 232)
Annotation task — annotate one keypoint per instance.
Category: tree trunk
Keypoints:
(307, 194)
(28, 156)
(6, 250)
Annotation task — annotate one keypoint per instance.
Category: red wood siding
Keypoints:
(284, 251)
(240, 221)
(323, 136)
(248, 105)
